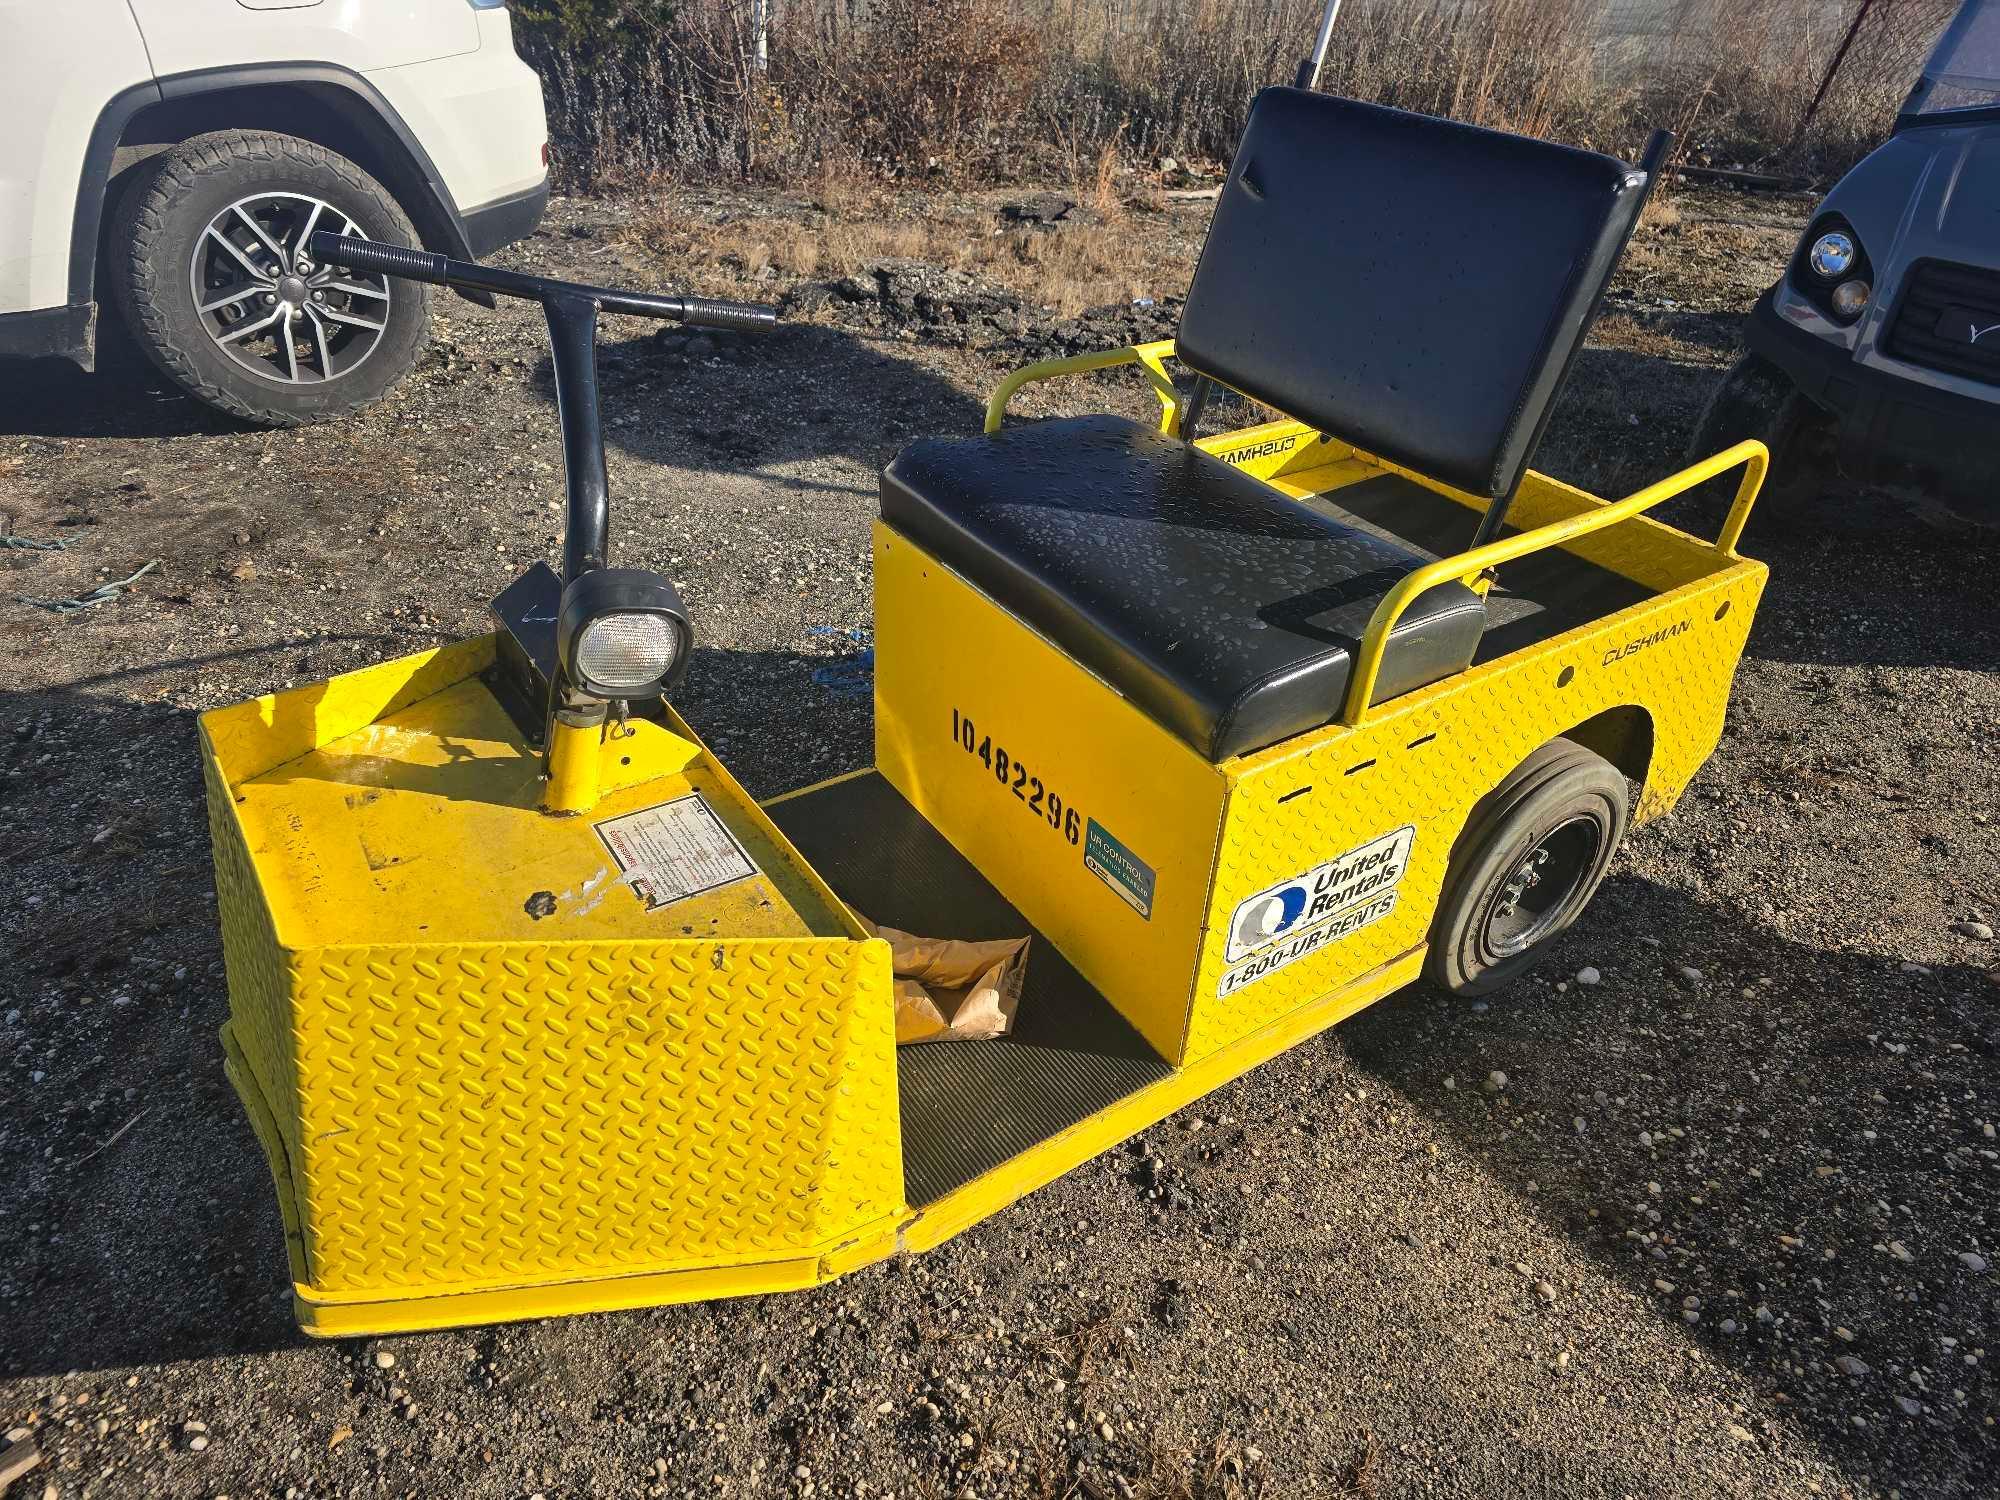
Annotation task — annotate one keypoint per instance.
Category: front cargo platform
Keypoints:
(967, 1106)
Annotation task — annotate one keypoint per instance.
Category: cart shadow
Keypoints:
(753, 402)
(1836, 1044)
(138, 1223)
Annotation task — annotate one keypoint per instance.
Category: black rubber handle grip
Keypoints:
(372, 255)
(743, 317)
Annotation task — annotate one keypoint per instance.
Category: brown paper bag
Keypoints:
(948, 990)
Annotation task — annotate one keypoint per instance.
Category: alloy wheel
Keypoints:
(269, 307)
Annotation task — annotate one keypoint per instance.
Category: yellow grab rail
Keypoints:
(1152, 356)
(1468, 566)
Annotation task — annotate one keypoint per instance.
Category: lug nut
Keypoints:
(269, 298)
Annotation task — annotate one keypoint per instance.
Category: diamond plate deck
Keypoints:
(471, 1113)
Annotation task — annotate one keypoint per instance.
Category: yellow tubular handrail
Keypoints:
(1152, 356)
(1469, 565)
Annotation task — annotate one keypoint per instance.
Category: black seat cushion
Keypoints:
(1413, 285)
(1226, 611)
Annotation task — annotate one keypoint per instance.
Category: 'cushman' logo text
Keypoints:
(1261, 450)
(1635, 646)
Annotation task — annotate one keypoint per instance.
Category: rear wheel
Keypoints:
(1756, 399)
(216, 280)
(1530, 858)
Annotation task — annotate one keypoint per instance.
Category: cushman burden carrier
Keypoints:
(535, 1011)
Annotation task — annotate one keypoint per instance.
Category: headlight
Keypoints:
(1832, 254)
(623, 633)
(1850, 297)
(627, 652)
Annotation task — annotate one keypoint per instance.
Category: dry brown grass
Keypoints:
(1100, 193)
(1069, 268)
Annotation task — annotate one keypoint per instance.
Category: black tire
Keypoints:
(1756, 399)
(163, 221)
(1565, 804)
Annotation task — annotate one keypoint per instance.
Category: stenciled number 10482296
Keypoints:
(1040, 799)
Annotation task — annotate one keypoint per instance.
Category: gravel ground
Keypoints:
(1727, 1228)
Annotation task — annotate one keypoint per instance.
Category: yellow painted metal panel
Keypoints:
(1279, 448)
(1422, 761)
(465, 1127)
(326, 1317)
(1015, 753)
(1643, 549)
(258, 968)
(429, 821)
(264, 1125)
(488, 1113)
(1478, 565)
(250, 738)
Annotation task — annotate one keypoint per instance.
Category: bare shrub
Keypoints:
(1101, 191)
(1069, 90)
(931, 77)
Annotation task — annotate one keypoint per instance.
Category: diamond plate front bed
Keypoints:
(491, 1113)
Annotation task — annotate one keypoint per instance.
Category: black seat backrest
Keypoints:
(1414, 286)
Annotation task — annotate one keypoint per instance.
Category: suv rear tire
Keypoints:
(211, 272)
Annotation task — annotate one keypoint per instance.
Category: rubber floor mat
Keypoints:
(968, 1106)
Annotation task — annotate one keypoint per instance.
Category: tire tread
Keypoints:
(141, 224)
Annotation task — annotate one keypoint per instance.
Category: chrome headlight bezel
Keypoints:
(1832, 255)
(1821, 248)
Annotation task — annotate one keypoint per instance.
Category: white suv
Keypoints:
(176, 155)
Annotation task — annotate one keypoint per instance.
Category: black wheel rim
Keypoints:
(268, 308)
(1540, 892)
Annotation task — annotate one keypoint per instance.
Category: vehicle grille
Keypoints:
(1935, 290)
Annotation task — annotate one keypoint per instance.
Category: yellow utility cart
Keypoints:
(535, 1011)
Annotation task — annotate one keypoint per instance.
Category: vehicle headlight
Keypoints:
(627, 651)
(1832, 254)
(1850, 297)
(623, 633)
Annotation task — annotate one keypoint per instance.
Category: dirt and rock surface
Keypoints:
(1730, 1226)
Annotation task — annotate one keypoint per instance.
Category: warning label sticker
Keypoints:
(676, 850)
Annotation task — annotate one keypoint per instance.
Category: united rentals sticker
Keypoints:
(1300, 916)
